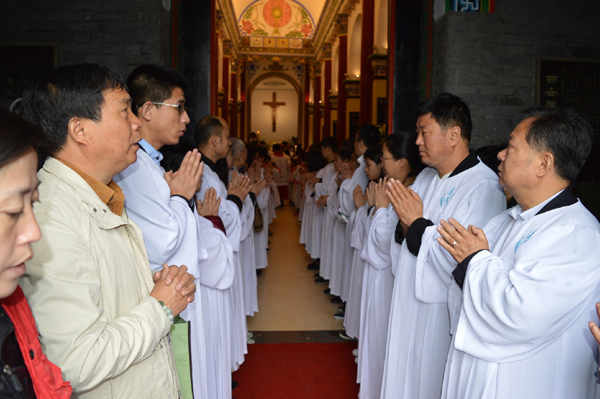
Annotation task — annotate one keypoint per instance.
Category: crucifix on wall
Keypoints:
(274, 104)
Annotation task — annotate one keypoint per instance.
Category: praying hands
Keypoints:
(461, 242)
(407, 204)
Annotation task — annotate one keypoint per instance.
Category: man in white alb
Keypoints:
(455, 183)
(524, 290)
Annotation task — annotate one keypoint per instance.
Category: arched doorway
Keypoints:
(288, 117)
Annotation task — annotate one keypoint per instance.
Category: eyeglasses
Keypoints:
(180, 107)
(385, 159)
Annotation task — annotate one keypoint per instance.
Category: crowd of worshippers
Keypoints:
(128, 273)
(141, 266)
(461, 276)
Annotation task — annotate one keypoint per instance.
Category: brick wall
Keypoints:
(121, 33)
(490, 59)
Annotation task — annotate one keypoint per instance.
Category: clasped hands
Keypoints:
(185, 181)
(407, 204)
(175, 287)
(239, 186)
(461, 242)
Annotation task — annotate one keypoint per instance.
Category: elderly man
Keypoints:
(455, 183)
(523, 290)
(101, 316)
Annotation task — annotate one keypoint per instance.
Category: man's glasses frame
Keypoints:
(180, 107)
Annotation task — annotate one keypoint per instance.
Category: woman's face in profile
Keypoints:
(18, 227)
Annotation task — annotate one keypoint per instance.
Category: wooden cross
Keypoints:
(274, 104)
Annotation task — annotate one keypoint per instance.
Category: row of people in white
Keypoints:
(487, 327)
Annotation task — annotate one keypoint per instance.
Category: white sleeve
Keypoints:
(434, 264)
(379, 239)
(217, 270)
(167, 222)
(511, 312)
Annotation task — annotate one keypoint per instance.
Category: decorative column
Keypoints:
(306, 125)
(317, 97)
(243, 127)
(341, 28)
(353, 107)
(366, 72)
(327, 106)
(227, 52)
(233, 122)
(380, 101)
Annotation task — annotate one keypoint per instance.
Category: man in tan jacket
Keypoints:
(103, 318)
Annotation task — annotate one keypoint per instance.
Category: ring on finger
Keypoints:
(454, 243)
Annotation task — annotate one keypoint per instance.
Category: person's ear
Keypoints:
(146, 111)
(76, 130)
(214, 140)
(546, 163)
(454, 135)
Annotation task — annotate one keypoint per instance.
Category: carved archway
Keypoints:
(285, 77)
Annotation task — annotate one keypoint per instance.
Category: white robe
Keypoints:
(348, 258)
(234, 221)
(338, 250)
(354, 294)
(419, 330)
(261, 238)
(217, 273)
(170, 234)
(378, 284)
(522, 322)
(346, 194)
(307, 214)
(330, 218)
(327, 173)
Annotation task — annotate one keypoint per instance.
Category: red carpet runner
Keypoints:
(298, 371)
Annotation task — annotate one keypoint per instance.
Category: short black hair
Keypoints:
(17, 136)
(565, 134)
(277, 147)
(344, 153)
(448, 111)
(173, 155)
(330, 142)
(402, 145)
(374, 153)
(154, 83)
(369, 135)
(206, 128)
(315, 161)
(67, 92)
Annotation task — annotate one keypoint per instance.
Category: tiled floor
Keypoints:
(288, 298)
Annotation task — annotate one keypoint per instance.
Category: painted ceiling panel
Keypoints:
(312, 7)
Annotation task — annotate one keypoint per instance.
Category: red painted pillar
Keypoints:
(366, 71)
(327, 101)
(225, 82)
(233, 124)
(391, 62)
(243, 127)
(304, 140)
(317, 106)
(343, 69)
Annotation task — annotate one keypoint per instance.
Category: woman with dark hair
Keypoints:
(400, 161)
(25, 372)
(373, 163)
